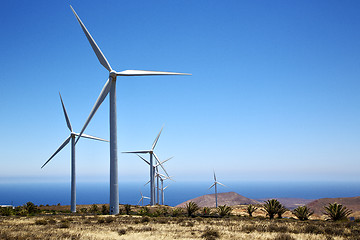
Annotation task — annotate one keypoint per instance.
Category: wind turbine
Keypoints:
(215, 184)
(110, 86)
(162, 193)
(72, 137)
(156, 172)
(151, 164)
(162, 178)
(142, 199)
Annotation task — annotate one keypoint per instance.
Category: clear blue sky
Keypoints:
(274, 93)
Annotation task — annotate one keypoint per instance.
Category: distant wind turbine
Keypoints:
(151, 164)
(215, 184)
(110, 86)
(162, 178)
(72, 137)
(142, 199)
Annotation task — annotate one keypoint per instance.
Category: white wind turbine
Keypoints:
(151, 164)
(142, 199)
(215, 184)
(72, 137)
(110, 86)
(157, 174)
(162, 178)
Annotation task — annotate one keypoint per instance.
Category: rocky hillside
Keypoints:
(229, 198)
(352, 203)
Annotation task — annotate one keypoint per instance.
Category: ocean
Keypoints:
(178, 192)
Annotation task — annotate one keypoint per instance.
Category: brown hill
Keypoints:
(352, 203)
(229, 198)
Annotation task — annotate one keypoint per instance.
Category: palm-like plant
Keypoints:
(271, 207)
(250, 209)
(302, 213)
(337, 211)
(281, 210)
(224, 210)
(191, 208)
(206, 211)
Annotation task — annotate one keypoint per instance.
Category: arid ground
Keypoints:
(60, 225)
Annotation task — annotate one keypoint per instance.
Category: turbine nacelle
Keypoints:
(113, 74)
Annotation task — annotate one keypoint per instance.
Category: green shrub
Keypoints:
(6, 211)
(337, 211)
(191, 208)
(206, 211)
(127, 208)
(144, 211)
(104, 210)
(177, 212)
(224, 210)
(94, 209)
(250, 209)
(271, 207)
(302, 213)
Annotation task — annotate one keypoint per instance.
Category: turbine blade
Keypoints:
(93, 44)
(142, 152)
(163, 162)
(65, 113)
(146, 73)
(147, 183)
(214, 176)
(58, 150)
(97, 104)
(157, 159)
(156, 139)
(92, 137)
(222, 184)
(146, 197)
(212, 185)
(166, 160)
(143, 160)
(165, 187)
(140, 200)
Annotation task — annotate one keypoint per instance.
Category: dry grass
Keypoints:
(137, 227)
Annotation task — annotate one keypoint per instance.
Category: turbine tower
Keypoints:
(215, 184)
(110, 86)
(151, 164)
(72, 137)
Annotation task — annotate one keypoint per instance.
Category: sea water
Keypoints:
(178, 192)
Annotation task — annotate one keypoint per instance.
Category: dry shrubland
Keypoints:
(163, 222)
(144, 227)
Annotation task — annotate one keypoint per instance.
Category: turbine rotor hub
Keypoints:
(112, 74)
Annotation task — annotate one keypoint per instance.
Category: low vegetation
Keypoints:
(337, 211)
(302, 213)
(163, 222)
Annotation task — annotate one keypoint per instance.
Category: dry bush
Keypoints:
(122, 232)
(210, 234)
(41, 222)
(284, 236)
